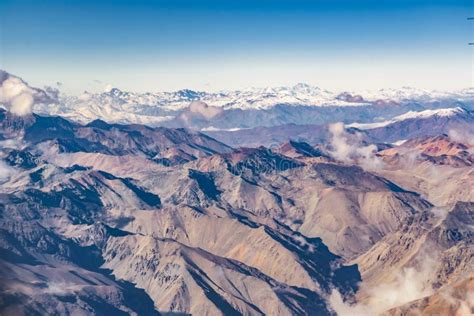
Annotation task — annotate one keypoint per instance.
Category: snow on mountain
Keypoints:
(251, 98)
(413, 94)
(411, 115)
(264, 98)
(303, 100)
(246, 108)
(429, 113)
(118, 106)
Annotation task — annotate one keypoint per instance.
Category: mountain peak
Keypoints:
(189, 94)
(446, 112)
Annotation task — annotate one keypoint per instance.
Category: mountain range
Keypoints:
(231, 110)
(408, 125)
(350, 216)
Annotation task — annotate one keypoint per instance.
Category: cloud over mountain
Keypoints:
(19, 97)
(349, 147)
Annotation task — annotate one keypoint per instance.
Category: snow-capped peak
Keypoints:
(429, 113)
(446, 112)
(115, 105)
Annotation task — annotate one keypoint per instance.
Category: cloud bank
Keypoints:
(18, 97)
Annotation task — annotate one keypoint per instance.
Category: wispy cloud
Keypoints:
(349, 147)
(108, 87)
(410, 284)
(5, 171)
(464, 137)
(199, 110)
(203, 109)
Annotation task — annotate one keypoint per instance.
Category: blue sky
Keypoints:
(213, 45)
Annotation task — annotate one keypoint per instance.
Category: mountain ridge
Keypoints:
(95, 214)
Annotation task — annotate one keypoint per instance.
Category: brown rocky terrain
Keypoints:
(123, 219)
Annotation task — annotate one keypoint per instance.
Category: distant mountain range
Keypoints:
(409, 125)
(253, 107)
(301, 104)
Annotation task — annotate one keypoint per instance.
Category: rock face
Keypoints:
(424, 123)
(440, 149)
(167, 146)
(127, 219)
(100, 225)
(429, 258)
(438, 167)
(457, 121)
(456, 300)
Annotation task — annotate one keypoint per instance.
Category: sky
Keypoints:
(216, 45)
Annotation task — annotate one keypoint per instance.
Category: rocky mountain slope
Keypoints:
(456, 121)
(438, 167)
(55, 134)
(104, 218)
(104, 234)
(429, 259)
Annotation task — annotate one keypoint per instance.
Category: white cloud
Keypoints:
(18, 97)
(5, 171)
(13, 143)
(22, 104)
(62, 288)
(409, 284)
(199, 110)
(349, 148)
(464, 137)
(460, 136)
(199, 107)
(215, 129)
(108, 87)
